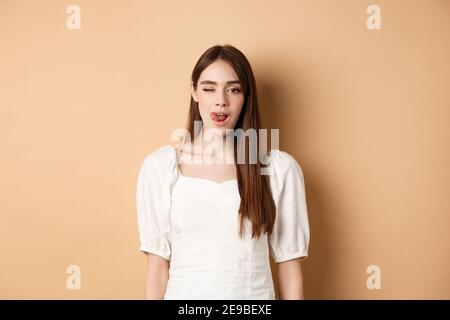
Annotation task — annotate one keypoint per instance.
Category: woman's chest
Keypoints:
(203, 206)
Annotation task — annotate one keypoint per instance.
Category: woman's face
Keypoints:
(219, 91)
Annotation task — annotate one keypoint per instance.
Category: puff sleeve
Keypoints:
(290, 236)
(152, 211)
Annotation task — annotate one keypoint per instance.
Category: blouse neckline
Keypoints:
(177, 167)
(208, 180)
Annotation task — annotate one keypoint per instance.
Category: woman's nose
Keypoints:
(221, 98)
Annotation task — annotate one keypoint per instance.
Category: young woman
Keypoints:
(209, 229)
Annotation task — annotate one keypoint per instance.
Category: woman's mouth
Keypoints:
(219, 119)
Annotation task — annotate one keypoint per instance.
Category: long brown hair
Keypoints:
(257, 204)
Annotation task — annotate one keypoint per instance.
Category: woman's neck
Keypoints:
(216, 148)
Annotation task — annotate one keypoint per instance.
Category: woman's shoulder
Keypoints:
(285, 173)
(282, 161)
(160, 159)
(279, 155)
(283, 167)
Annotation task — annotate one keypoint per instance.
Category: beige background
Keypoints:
(365, 113)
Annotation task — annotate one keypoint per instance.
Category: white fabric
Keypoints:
(193, 223)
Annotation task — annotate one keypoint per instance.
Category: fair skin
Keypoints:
(218, 90)
(290, 280)
(157, 276)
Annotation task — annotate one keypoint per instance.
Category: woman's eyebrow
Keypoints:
(215, 83)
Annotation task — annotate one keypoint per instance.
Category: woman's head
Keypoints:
(223, 81)
(219, 96)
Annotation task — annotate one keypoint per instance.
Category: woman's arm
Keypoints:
(290, 280)
(156, 277)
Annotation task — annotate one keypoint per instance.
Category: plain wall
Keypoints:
(365, 113)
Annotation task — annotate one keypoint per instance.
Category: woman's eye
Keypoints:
(233, 90)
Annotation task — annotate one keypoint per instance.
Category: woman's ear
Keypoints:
(194, 93)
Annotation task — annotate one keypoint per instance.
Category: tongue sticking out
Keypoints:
(219, 117)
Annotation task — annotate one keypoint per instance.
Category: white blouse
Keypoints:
(193, 223)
